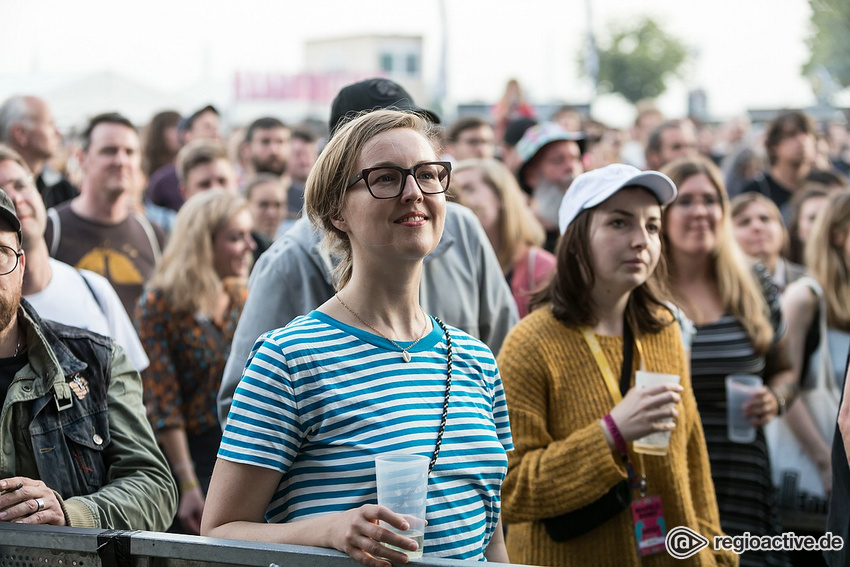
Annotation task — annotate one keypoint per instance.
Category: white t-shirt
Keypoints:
(68, 300)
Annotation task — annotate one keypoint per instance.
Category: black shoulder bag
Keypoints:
(578, 522)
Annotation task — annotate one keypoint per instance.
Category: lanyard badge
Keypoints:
(647, 511)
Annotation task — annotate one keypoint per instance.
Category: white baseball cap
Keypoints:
(593, 188)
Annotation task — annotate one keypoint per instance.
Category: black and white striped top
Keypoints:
(741, 472)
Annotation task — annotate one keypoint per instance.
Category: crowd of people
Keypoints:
(216, 333)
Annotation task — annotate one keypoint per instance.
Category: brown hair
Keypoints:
(324, 192)
(740, 203)
(826, 257)
(155, 150)
(798, 199)
(569, 291)
(198, 152)
(776, 130)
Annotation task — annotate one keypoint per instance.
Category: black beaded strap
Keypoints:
(446, 402)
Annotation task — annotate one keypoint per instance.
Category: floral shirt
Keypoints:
(187, 354)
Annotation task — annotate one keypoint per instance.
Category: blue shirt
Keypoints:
(320, 399)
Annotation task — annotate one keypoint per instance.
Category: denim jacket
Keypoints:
(73, 417)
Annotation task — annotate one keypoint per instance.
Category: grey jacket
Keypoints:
(462, 284)
(73, 417)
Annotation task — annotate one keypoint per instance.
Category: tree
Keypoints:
(830, 40)
(638, 60)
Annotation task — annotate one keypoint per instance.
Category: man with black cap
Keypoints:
(550, 158)
(164, 187)
(75, 444)
(462, 282)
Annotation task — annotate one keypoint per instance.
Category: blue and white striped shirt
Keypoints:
(320, 399)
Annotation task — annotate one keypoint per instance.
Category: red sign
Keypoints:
(306, 87)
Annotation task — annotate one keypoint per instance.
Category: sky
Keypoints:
(747, 53)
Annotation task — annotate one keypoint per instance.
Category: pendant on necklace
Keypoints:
(405, 355)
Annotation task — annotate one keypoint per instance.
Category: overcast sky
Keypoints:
(748, 52)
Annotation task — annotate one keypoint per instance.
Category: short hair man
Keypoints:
(48, 283)
(27, 126)
(550, 158)
(295, 275)
(97, 230)
(164, 187)
(269, 145)
(78, 448)
(305, 151)
(790, 145)
(203, 165)
(668, 141)
(470, 137)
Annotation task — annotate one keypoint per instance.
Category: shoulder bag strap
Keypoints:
(57, 230)
(530, 276)
(823, 371)
(91, 290)
(151, 234)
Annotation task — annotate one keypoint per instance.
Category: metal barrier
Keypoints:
(52, 546)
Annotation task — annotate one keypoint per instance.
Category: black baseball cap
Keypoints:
(516, 128)
(372, 94)
(9, 214)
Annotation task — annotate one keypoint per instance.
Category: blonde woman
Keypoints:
(739, 329)
(488, 188)
(186, 321)
(368, 372)
(827, 256)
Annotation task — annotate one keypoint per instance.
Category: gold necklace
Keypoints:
(404, 354)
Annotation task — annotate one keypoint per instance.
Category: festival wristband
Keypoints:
(619, 441)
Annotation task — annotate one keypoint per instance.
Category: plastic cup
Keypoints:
(654, 443)
(739, 389)
(403, 488)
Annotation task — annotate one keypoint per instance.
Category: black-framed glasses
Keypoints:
(387, 181)
(9, 258)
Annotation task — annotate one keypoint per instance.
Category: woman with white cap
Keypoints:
(576, 491)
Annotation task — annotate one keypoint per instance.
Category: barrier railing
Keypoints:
(52, 546)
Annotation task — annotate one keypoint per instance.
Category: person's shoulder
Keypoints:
(70, 334)
(165, 172)
(62, 271)
(802, 293)
(64, 210)
(301, 328)
(97, 281)
(153, 300)
(544, 261)
(458, 216)
(756, 184)
(539, 325)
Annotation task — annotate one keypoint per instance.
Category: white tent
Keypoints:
(74, 102)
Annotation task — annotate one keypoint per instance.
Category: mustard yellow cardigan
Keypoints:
(561, 462)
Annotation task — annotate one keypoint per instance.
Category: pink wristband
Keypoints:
(619, 441)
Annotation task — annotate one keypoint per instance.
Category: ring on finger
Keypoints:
(40, 503)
